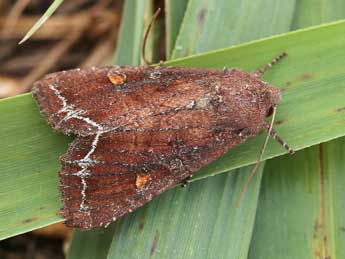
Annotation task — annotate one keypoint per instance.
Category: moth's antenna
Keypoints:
(148, 29)
(257, 163)
(258, 73)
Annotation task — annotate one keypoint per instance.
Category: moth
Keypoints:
(141, 130)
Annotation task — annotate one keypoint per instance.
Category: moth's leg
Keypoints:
(276, 137)
(271, 132)
(258, 73)
(186, 181)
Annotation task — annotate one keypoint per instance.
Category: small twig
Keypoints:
(148, 29)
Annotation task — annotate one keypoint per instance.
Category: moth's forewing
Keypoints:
(128, 169)
(114, 96)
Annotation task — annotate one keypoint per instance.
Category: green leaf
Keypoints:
(52, 8)
(174, 13)
(311, 79)
(131, 33)
(92, 244)
(29, 195)
(314, 12)
(302, 202)
(209, 25)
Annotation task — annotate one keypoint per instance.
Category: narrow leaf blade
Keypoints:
(52, 8)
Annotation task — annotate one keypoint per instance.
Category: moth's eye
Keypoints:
(269, 111)
(243, 132)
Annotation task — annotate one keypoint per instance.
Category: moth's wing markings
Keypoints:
(165, 157)
(84, 101)
(67, 85)
(166, 146)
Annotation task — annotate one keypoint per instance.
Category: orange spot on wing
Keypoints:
(141, 180)
(117, 78)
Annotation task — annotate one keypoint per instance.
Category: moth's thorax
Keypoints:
(256, 85)
(249, 98)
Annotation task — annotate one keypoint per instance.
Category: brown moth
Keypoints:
(141, 130)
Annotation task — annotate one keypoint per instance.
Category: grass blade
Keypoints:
(131, 33)
(29, 195)
(91, 244)
(174, 13)
(209, 25)
(302, 202)
(52, 8)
